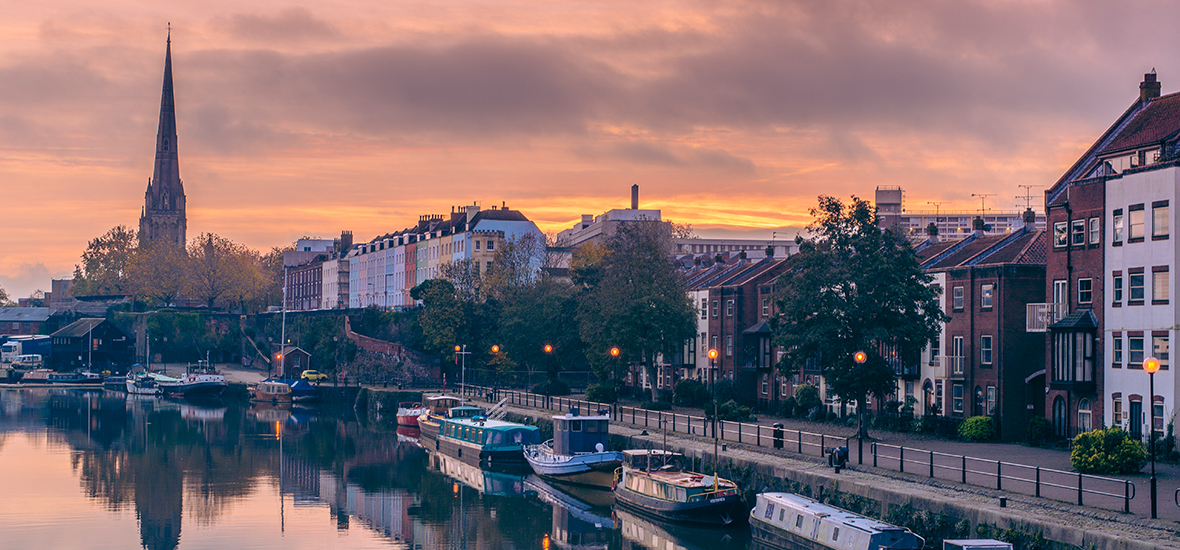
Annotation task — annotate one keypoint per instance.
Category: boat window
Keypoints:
(560, 425)
(575, 425)
(681, 494)
(781, 513)
(835, 534)
(799, 520)
(769, 511)
(479, 436)
(591, 426)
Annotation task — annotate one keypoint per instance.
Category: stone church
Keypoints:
(163, 217)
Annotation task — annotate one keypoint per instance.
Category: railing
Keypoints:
(801, 442)
(1040, 316)
(1006, 476)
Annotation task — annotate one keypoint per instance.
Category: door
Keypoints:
(1060, 418)
(1135, 421)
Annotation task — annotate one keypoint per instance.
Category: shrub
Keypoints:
(1109, 451)
(657, 405)
(1038, 430)
(977, 428)
(730, 411)
(690, 393)
(787, 409)
(556, 387)
(602, 393)
(806, 399)
(725, 390)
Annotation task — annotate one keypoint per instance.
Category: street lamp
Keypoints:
(548, 349)
(860, 357)
(496, 355)
(713, 385)
(461, 351)
(1152, 366)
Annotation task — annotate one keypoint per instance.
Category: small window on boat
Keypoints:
(781, 513)
(592, 426)
(835, 534)
(561, 425)
(479, 436)
(575, 425)
(681, 494)
(799, 520)
(769, 511)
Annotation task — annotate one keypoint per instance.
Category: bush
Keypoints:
(602, 393)
(730, 411)
(556, 387)
(690, 393)
(1037, 432)
(806, 399)
(977, 428)
(1109, 451)
(656, 405)
(725, 390)
(787, 409)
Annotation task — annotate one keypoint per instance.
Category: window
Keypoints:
(1060, 235)
(1060, 292)
(991, 400)
(729, 308)
(1084, 423)
(1085, 291)
(1117, 237)
(1118, 288)
(729, 345)
(491, 245)
(1135, 282)
(985, 295)
(957, 297)
(985, 349)
(957, 398)
(1117, 353)
(714, 341)
(476, 245)
(1157, 418)
(1118, 410)
(765, 384)
(1135, 223)
(1159, 349)
(957, 355)
(1135, 351)
(766, 307)
(1159, 287)
(935, 348)
(704, 342)
(1095, 231)
(1159, 220)
(938, 394)
(1077, 232)
(716, 312)
(704, 308)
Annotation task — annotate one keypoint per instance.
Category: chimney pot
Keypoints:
(1149, 89)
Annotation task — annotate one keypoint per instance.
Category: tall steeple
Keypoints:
(163, 215)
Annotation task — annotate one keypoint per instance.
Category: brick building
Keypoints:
(22, 320)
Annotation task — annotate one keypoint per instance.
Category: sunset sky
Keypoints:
(309, 118)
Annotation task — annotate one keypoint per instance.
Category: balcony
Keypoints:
(953, 365)
(1040, 316)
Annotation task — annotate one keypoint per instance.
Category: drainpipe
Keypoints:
(997, 348)
(969, 379)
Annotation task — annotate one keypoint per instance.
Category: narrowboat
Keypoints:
(790, 521)
(577, 453)
(270, 391)
(437, 408)
(470, 436)
(301, 390)
(36, 376)
(654, 482)
(408, 413)
(47, 376)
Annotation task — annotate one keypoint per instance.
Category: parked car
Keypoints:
(313, 375)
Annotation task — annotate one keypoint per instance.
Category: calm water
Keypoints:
(107, 470)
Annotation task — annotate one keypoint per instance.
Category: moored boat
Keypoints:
(408, 413)
(654, 482)
(195, 383)
(270, 391)
(789, 521)
(36, 376)
(437, 408)
(473, 438)
(115, 382)
(577, 453)
(141, 384)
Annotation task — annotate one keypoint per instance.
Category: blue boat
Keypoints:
(465, 433)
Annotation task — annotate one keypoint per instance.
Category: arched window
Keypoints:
(1084, 416)
(979, 400)
(1060, 418)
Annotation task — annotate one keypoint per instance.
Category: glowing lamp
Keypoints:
(458, 348)
(1151, 365)
(495, 349)
(548, 348)
(712, 354)
(614, 352)
(860, 357)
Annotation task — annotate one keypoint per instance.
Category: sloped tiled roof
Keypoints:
(503, 214)
(1082, 318)
(968, 250)
(78, 328)
(1160, 120)
(1014, 251)
(1025, 247)
(23, 314)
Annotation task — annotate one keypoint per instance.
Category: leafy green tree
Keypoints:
(105, 262)
(635, 299)
(158, 271)
(4, 301)
(544, 313)
(442, 315)
(217, 268)
(854, 287)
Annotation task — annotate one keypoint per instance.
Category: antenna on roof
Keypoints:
(1027, 196)
(982, 200)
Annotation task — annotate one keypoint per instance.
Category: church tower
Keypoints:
(163, 217)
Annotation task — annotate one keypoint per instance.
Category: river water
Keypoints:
(106, 470)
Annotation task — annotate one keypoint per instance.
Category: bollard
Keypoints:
(1003, 502)
(778, 435)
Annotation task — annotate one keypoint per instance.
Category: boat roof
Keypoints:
(839, 514)
(568, 416)
(490, 424)
(649, 452)
(466, 408)
(441, 397)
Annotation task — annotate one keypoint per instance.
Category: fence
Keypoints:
(1007, 476)
(801, 442)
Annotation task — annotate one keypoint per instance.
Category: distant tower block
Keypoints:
(163, 217)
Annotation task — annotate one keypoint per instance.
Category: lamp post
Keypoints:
(713, 387)
(495, 356)
(1152, 366)
(548, 349)
(860, 357)
(461, 351)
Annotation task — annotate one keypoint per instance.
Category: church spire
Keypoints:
(164, 202)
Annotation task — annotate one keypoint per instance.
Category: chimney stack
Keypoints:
(1149, 89)
(770, 251)
(635, 188)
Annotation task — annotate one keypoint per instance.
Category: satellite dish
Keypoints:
(598, 447)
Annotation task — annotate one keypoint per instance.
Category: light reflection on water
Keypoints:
(107, 470)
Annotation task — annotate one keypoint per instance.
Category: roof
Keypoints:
(491, 424)
(761, 327)
(503, 214)
(1023, 247)
(1159, 121)
(24, 314)
(78, 328)
(830, 513)
(1082, 318)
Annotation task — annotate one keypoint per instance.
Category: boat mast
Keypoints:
(283, 333)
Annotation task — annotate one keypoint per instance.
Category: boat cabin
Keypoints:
(573, 434)
(830, 527)
(464, 412)
(489, 433)
(650, 460)
(440, 404)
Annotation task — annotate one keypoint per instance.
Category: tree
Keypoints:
(516, 265)
(540, 314)
(442, 315)
(854, 287)
(158, 271)
(635, 299)
(105, 262)
(217, 266)
(4, 301)
(464, 274)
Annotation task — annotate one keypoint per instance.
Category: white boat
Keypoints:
(577, 453)
(195, 383)
(789, 521)
(142, 385)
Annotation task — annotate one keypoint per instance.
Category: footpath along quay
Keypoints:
(1099, 523)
